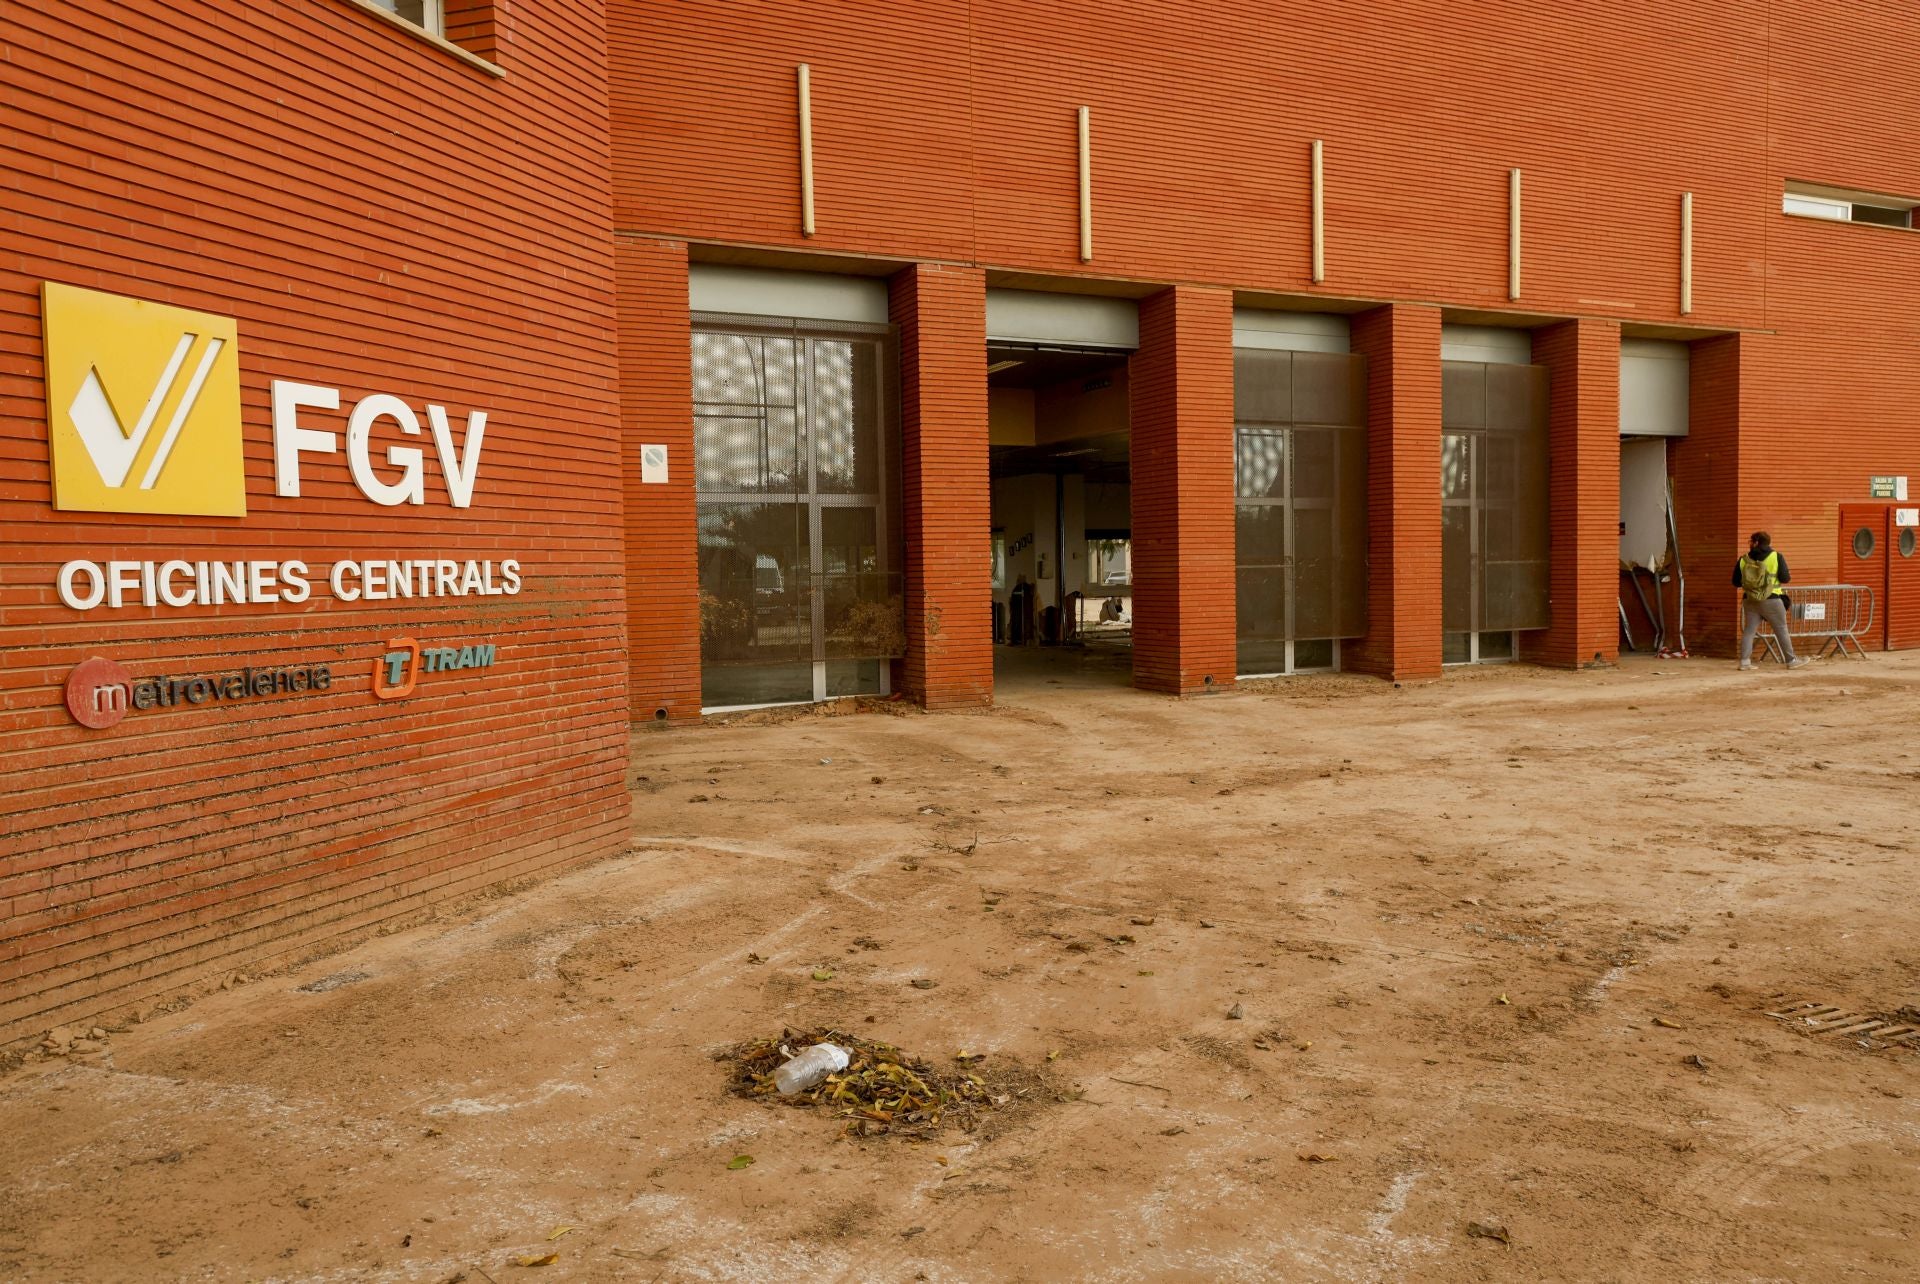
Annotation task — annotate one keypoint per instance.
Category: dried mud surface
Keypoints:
(1475, 931)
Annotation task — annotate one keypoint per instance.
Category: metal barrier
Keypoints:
(1837, 615)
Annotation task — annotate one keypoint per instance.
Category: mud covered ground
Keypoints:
(1502, 946)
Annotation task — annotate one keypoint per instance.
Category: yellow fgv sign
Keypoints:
(143, 409)
(143, 406)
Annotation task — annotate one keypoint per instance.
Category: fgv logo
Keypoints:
(144, 417)
(145, 406)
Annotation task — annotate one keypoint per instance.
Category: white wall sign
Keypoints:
(459, 462)
(87, 585)
(653, 465)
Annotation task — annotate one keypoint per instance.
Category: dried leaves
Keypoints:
(883, 1090)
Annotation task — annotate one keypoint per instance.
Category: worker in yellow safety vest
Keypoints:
(1759, 576)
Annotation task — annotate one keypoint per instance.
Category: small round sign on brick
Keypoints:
(99, 692)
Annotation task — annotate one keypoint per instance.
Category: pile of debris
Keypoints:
(884, 1091)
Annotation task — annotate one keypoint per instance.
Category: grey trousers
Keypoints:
(1774, 612)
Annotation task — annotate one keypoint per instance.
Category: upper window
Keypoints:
(428, 15)
(1811, 200)
(467, 29)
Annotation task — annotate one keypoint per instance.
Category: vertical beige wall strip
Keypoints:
(1086, 185)
(806, 150)
(1319, 213)
(1513, 234)
(1686, 254)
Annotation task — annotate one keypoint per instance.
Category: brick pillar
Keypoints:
(1583, 496)
(941, 315)
(656, 408)
(1401, 343)
(1182, 471)
(1705, 467)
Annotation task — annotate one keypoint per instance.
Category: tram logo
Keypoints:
(399, 667)
(143, 406)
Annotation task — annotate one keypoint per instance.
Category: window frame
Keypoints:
(1905, 212)
(1291, 502)
(436, 12)
(1807, 205)
(1828, 204)
(886, 501)
(433, 15)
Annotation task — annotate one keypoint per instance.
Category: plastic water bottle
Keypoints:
(809, 1068)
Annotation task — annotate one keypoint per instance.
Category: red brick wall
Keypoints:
(706, 126)
(1181, 383)
(656, 408)
(947, 132)
(1402, 348)
(1833, 391)
(379, 217)
(1583, 444)
(1830, 394)
(940, 313)
(1707, 492)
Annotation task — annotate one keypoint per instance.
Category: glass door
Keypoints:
(1300, 509)
(1493, 509)
(1459, 565)
(799, 596)
(1464, 571)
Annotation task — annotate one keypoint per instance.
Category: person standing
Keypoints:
(1760, 576)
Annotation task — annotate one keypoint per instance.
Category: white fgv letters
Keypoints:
(460, 469)
(290, 439)
(410, 460)
(459, 463)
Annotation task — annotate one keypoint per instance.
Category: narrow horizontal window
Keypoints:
(1842, 205)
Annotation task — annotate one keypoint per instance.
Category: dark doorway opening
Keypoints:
(1062, 510)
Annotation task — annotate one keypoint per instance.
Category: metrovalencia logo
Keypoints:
(143, 406)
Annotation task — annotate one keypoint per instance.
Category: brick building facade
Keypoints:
(378, 217)
(1653, 149)
(774, 313)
